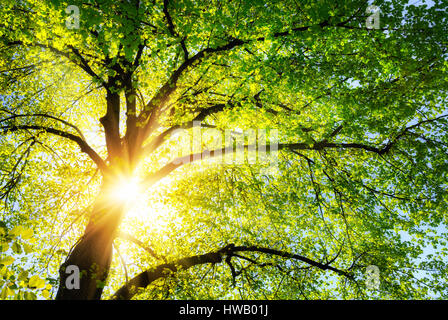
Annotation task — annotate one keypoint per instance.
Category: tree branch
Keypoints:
(43, 115)
(324, 144)
(81, 143)
(83, 64)
(172, 30)
(133, 239)
(176, 163)
(142, 280)
(157, 142)
(151, 111)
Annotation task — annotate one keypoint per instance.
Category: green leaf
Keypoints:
(6, 261)
(36, 282)
(27, 248)
(27, 233)
(23, 276)
(30, 295)
(6, 292)
(16, 231)
(46, 294)
(16, 248)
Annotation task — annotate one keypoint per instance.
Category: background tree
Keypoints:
(90, 110)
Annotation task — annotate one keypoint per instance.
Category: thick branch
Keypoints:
(82, 63)
(131, 119)
(43, 115)
(176, 163)
(171, 28)
(145, 278)
(152, 110)
(81, 143)
(133, 239)
(111, 124)
(157, 142)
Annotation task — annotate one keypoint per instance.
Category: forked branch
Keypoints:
(145, 278)
(85, 147)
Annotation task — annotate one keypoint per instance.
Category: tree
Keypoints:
(95, 94)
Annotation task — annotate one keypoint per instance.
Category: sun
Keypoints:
(126, 191)
(138, 202)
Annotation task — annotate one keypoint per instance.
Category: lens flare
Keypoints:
(126, 190)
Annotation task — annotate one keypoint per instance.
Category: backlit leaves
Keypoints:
(311, 70)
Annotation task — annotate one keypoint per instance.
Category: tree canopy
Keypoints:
(102, 104)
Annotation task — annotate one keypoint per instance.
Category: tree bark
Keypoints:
(93, 252)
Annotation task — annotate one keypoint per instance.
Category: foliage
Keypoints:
(359, 179)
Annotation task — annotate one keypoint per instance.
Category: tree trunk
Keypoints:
(93, 252)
